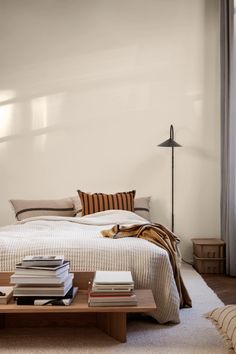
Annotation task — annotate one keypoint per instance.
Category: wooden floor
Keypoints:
(223, 286)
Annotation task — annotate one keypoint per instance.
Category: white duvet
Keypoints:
(79, 239)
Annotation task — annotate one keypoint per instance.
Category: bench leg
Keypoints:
(2, 320)
(114, 324)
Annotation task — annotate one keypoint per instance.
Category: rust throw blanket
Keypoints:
(162, 237)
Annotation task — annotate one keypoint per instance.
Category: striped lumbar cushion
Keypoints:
(141, 207)
(224, 319)
(29, 208)
(94, 203)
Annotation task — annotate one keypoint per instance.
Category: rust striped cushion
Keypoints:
(93, 203)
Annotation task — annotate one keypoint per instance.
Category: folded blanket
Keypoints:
(162, 237)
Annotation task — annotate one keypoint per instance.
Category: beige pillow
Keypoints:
(224, 319)
(29, 208)
(142, 207)
(77, 205)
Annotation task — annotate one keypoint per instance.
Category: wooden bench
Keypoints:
(112, 320)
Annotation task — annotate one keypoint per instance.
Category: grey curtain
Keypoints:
(228, 133)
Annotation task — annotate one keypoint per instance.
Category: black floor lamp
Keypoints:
(171, 143)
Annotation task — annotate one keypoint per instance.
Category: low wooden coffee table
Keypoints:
(112, 320)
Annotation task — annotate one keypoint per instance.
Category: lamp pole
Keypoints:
(172, 178)
(171, 143)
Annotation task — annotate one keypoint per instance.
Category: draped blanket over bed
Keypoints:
(162, 237)
(81, 242)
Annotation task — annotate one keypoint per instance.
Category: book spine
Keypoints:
(112, 304)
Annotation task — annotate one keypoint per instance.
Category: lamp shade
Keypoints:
(170, 142)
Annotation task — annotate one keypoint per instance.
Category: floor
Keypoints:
(223, 285)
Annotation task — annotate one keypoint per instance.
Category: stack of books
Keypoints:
(112, 288)
(43, 280)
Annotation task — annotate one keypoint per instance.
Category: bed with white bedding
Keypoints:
(79, 239)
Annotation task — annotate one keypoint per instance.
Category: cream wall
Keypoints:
(88, 88)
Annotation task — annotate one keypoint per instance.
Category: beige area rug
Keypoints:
(195, 334)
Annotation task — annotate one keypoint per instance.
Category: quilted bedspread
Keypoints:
(80, 241)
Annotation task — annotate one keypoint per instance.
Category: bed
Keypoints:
(80, 240)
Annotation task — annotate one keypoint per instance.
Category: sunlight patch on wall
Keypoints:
(6, 113)
(6, 95)
(39, 113)
(39, 118)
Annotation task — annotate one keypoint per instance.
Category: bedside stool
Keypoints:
(209, 255)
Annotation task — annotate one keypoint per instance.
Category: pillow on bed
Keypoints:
(142, 207)
(93, 203)
(77, 205)
(29, 208)
(224, 318)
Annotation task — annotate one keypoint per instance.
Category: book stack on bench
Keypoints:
(43, 280)
(112, 288)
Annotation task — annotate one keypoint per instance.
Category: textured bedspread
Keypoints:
(79, 239)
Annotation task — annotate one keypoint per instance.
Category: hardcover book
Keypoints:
(113, 278)
(39, 279)
(42, 270)
(113, 304)
(45, 300)
(56, 290)
(113, 299)
(110, 293)
(30, 261)
(111, 289)
(56, 302)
